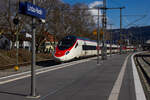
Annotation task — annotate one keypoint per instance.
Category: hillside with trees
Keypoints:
(136, 35)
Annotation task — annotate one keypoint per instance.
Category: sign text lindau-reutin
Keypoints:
(30, 9)
(35, 10)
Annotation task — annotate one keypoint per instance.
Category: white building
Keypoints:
(25, 44)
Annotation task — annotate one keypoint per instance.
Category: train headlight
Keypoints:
(67, 52)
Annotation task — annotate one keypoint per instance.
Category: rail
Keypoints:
(143, 67)
(143, 64)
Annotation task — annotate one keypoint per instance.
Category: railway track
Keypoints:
(143, 65)
(44, 63)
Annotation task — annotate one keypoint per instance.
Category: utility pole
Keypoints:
(110, 39)
(104, 26)
(120, 30)
(98, 32)
(121, 41)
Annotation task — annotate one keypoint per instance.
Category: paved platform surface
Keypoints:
(77, 81)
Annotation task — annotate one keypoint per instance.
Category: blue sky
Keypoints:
(133, 7)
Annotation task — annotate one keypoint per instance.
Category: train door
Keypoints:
(77, 49)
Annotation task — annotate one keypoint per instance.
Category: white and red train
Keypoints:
(71, 47)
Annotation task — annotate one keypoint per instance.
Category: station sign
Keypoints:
(32, 10)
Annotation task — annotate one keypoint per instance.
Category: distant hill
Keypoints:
(134, 34)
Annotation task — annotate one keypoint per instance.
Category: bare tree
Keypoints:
(9, 11)
(61, 19)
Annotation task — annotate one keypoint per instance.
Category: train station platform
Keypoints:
(112, 79)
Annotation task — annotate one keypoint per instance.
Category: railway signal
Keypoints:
(16, 68)
(16, 22)
(95, 32)
(101, 32)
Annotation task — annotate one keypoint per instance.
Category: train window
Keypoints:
(88, 47)
(76, 45)
(66, 42)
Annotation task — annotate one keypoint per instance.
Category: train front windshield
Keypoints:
(66, 42)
